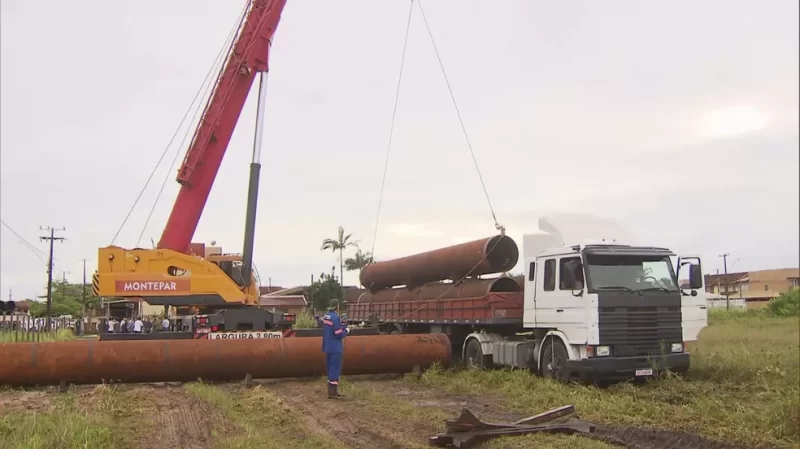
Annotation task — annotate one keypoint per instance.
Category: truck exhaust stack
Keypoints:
(485, 256)
(94, 362)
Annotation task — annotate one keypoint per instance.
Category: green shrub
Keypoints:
(305, 320)
(787, 304)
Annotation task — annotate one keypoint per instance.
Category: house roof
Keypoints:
(351, 294)
(287, 291)
(731, 278)
(264, 290)
(283, 301)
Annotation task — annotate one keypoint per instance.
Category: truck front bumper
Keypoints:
(627, 367)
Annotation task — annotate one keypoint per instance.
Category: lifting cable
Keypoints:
(216, 67)
(497, 225)
(391, 127)
(225, 48)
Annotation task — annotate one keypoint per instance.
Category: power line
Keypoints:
(30, 246)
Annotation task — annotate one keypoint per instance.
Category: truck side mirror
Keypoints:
(695, 277)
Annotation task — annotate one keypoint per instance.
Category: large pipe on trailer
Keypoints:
(470, 288)
(94, 362)
(485, 256)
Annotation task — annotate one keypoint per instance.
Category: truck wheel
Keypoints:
(554, 358)
(474, 356)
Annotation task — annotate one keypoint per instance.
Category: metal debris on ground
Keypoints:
(467, 431)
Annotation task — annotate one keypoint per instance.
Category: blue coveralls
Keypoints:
(333, 332)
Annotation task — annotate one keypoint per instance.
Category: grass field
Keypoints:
(742, 388)
(7, 336)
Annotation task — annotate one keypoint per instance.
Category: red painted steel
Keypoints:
(485, 256)
(92, 361)
(249, 56)
(470, 288)
(488, 307)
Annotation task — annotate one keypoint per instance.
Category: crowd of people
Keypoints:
(136, 325)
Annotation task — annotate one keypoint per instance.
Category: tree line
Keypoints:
(67, 299)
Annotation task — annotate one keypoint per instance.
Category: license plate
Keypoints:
(644, 372)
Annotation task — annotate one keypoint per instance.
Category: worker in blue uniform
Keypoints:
(333, 335)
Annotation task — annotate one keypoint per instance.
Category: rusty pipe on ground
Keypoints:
(485, 256)
(470, 288)
(94, 362)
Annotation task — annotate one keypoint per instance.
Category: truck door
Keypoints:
(529, 289)
(561, 302)
(694, 307)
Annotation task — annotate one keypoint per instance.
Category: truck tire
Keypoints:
(554, 357)
(474, 357)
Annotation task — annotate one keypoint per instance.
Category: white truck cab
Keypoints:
(601, 308)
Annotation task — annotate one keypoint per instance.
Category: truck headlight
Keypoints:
(677, 347)
(602, 351)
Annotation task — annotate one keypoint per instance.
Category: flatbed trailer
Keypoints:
(493, 309)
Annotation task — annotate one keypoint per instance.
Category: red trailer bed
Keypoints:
(494, 308)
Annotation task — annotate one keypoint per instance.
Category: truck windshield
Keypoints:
(630, 273)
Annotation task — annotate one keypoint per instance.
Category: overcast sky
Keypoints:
(677, 119)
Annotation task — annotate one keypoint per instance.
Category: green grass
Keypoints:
(22, 336)
(743, 387)
(305, 320)
(265, 421)
(67, 421)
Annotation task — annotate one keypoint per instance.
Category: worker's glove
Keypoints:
(347, 330)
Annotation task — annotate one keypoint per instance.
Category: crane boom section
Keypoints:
(248, 56)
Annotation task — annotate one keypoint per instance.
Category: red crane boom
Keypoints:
(248, 56)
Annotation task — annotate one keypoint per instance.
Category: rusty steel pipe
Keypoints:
(470, 288)
(92, 361)
(485, 256)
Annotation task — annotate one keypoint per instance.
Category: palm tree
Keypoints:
(339, 244)
(359, 261)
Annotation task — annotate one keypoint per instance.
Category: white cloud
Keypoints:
(735, 120)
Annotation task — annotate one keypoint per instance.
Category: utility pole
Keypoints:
(51, 238)
(83, 293)
(727, 286)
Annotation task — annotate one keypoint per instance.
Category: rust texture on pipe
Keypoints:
(485, 256)
(92, 361)
(470, 288)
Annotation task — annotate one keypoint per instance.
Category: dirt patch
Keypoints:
(26, 401)
(427, 397)
(639, 438)
(172, 417)
(351, 420)
(181, 420)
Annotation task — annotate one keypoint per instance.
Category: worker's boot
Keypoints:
(332, 393)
